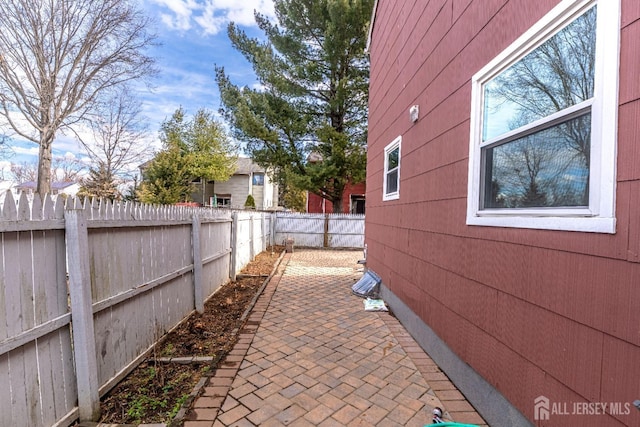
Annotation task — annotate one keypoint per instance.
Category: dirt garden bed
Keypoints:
(155, 391)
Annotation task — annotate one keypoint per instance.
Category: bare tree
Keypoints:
(56, 59)
(66, 169)
(63, 169)
(5, 149)
(25, 171)
(117, 131)
(114, 142)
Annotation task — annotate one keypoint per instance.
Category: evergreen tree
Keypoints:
(100, 183)
(166, 179)
(309, 116)
(211, 154)
(250, 203)
(191, 149)
(292, 198)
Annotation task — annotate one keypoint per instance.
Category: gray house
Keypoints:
(249, 178)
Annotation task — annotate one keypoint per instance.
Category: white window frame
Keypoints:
(396, 143)
(223, 204)
(599, 216)
(254, 176)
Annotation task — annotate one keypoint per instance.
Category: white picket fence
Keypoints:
(134, 272)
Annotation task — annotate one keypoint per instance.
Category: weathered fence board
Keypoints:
(33, 318)
(7, 399)
(215, 249)
(321, 230)
(248, 231)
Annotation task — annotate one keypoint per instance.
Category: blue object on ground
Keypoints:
(367, 286)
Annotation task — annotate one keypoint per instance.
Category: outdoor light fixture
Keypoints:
(414, 112)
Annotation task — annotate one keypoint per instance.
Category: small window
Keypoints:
(222, 200)
(543, 132)
(357, 204)
(258, 179)
(391, 184)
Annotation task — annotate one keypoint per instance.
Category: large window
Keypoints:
(391, 184)
(543, 132)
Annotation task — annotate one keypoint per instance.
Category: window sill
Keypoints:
(560, 223)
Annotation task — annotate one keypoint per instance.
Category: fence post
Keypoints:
(197, 265)
(84, 345)
(251, 239)
(234, 246)
(263, 219)
(274, 218)
(326, 231)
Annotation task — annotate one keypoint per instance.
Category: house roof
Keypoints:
(246, 166)
(314, 157)
(59, 185)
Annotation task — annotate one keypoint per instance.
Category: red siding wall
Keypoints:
(316, 204)
(534, 312)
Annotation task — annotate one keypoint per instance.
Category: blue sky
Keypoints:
(193, 38)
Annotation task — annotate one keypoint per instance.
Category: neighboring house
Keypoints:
(68, 188)
(353, 200)
(249, 178)
(503, 199)
(353, 197)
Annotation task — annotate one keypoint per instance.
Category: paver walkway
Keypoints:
(311, 356)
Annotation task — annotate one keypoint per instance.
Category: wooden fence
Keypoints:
(320, 230)
(134, 272)
(87, 289)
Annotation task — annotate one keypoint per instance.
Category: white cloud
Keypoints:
(180, 14)
(211, 16)
(242, 13)
(29, 151)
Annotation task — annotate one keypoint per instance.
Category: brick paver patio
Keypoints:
(311, 356)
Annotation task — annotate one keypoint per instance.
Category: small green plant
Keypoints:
(151, 372)
(176, 408)
(250, 203)
(169, 350)
(136, 410)
(139, 405)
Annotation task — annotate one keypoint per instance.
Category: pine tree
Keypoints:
(166, 180)
(191, 149)
(309, 116)
(100, 184)
(250, 203)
